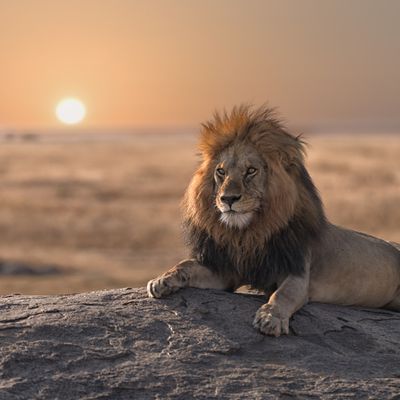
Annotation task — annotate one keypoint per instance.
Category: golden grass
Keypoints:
(107, 212)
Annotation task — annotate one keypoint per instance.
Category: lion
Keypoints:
(252, 216)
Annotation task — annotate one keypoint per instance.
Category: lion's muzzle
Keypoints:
(229, 200)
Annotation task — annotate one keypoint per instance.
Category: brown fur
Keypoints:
(283, 155)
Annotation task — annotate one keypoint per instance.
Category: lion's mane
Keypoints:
(276, 241)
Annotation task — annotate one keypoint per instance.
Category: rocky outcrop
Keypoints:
(119, 344)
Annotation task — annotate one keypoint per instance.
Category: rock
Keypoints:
(119, 344)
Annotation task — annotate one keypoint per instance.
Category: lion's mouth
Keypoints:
(236, 219)
(230, 211)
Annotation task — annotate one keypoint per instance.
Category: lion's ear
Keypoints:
(210, 141)
(290, 157)
(295, 152)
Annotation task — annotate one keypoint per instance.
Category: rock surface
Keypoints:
(119, 344)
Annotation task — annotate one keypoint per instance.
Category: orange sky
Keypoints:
(169, 62)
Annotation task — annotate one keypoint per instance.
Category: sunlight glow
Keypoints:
(70, 111)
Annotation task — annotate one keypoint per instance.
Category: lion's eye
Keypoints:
(220, 171)
(251, 171)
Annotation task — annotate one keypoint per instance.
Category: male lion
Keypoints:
(254, 217)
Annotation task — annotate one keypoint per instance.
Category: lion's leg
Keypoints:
(273, 318)
(188, 273)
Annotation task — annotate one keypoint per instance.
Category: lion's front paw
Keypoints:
(160, 287)
(270, 322)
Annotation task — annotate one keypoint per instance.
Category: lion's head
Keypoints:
(251, 186)
(240, 178)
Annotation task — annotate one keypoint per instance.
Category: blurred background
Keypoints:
(101, 103)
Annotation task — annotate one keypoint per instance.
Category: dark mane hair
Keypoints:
(277, 241)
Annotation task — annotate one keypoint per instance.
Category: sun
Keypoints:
(70, 111)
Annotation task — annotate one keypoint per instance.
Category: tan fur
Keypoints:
(279, 148)
(341, 266)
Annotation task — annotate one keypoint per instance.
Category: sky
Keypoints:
(331, 64)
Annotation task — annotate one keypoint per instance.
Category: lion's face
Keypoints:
(240, 177)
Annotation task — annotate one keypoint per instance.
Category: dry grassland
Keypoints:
(107, 212)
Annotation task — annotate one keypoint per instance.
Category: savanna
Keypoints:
(104, 212)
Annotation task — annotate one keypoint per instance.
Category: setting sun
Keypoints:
(70, 111)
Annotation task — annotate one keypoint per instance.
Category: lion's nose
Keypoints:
(230, 199)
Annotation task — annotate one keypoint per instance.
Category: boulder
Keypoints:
(120, 344)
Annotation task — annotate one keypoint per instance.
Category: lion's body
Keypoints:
(352, 268)
(254, 217)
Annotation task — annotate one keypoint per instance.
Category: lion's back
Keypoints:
(350, 267)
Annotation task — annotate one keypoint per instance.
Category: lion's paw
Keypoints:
(160, 287)
(270, 322)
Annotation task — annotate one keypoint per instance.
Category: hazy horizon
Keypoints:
(327, 66)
